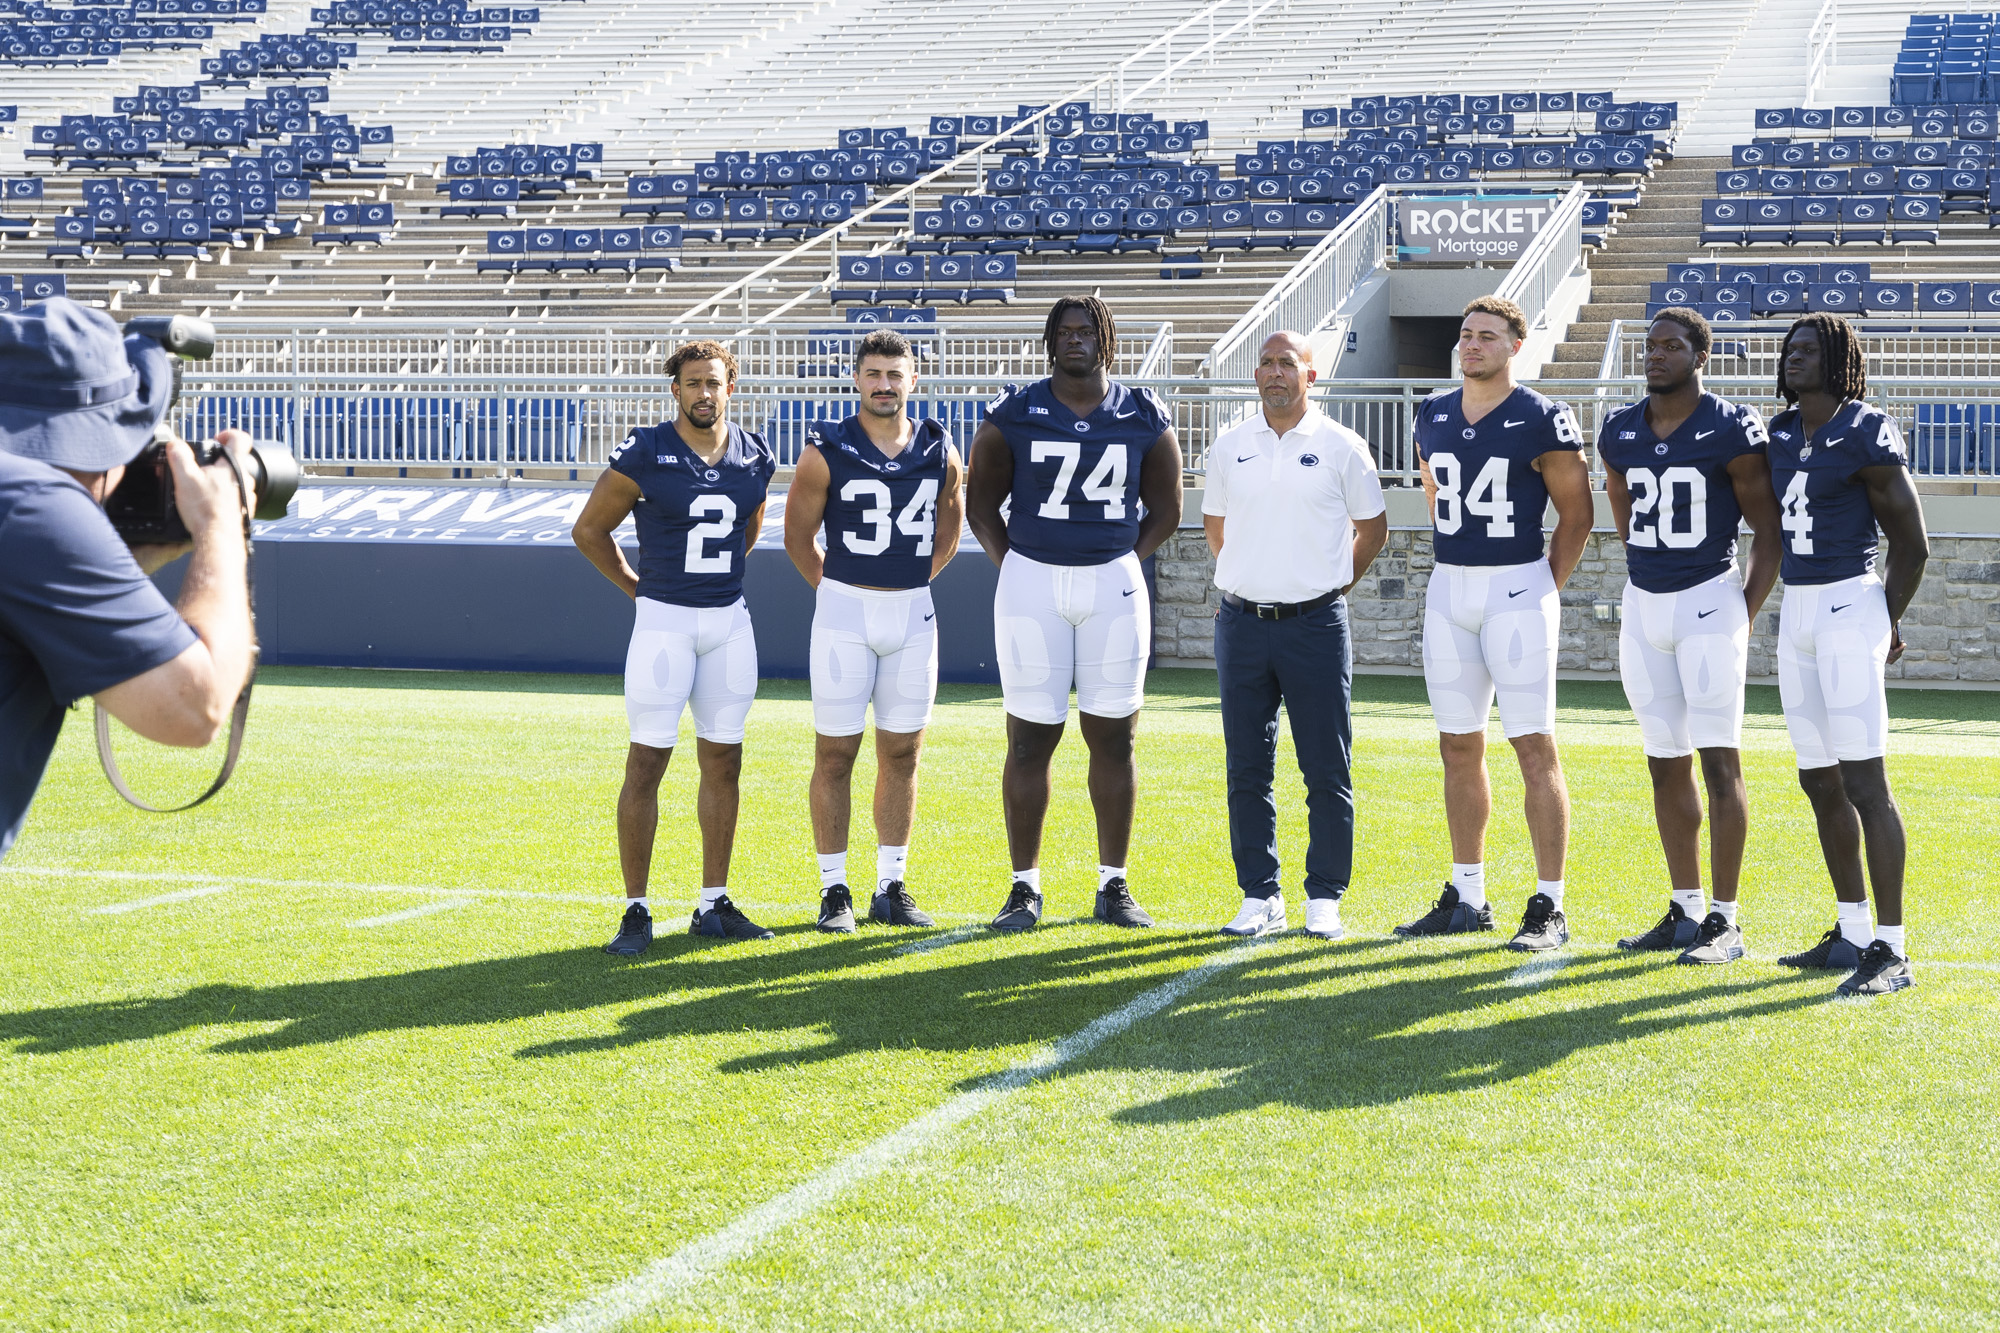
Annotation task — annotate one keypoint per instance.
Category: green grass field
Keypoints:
(285, 1099)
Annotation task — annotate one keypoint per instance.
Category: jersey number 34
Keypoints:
(918, 519)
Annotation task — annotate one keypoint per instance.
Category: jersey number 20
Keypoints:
(918, 519)
(1486, 498)
(1656, 504)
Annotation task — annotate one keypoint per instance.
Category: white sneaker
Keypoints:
(1260, 916)
(1323, 918)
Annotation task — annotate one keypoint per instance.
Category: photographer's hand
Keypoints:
(187, 701)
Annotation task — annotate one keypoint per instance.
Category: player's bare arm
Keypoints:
(1160, 491)
(1901, 516)
(1568, 478)
(1750, 478)
(754, 528)
(1619, 496)
(805, 507)
(950, 513)
(610, 504)
(987, 487)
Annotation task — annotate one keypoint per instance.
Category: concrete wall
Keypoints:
(1952, 630)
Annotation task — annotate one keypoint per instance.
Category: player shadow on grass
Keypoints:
(1052, 984)
(1409, 1030)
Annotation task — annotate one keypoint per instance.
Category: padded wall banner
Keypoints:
(1464, 230)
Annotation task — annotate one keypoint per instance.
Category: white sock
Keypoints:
(1893, 937)
(1691, 902)
(832, 870)
(1855, 925)
(1727, 910)
(1470, 881)
(1105, 874)
(1031, 878)
(708, 895)
(1552, 887)
(891, 863)
(641, 900)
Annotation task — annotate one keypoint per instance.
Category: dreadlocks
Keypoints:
(1843, 368)
(1101, 323)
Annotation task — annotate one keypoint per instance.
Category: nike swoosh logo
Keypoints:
(1120, 416)
(1704, 615)
(1511, 424)
(1512, 595)
(1130, 591)
(1703, 434)
(1246, 458)
(1830, 443)
(1843, 606)
(931, 616)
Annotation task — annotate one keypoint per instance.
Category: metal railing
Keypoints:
(1892, 348)
(1306, 298)
(1548, 260)
(1164, 44)
(1030, 124)
(488, 424)
(1822, 46)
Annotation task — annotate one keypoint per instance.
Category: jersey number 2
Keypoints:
(700, 560)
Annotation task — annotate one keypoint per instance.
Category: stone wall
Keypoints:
(1952, 630)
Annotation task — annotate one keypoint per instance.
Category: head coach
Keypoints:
(78, 616)
(1294, 514)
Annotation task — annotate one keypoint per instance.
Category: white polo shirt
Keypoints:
(1288, 505)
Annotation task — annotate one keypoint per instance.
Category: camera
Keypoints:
(142, 509)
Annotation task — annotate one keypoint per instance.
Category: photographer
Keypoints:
(78, 616)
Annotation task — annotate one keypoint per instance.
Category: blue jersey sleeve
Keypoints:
(1153, 412)
(629, 457)
(1881, 442)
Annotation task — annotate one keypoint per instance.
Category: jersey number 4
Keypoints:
(1486, 498)
(1105, 484)
(1795, 518)
(1659, 501)
(918, 519)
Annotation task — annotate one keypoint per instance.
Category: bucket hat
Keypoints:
(75, 390)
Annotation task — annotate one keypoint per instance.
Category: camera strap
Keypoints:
(237, 718)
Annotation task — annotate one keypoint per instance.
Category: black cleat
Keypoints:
(1022, 912)
(836, 910)
(1449, 916)
(1834, 953)
(1677, 930)
(635, 932)
(724, 922)
(1718, 941)
(1543, 927)
(1880, 972)
(892, 905)
(1117, 907)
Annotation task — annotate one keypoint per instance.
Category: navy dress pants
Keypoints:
(1307, 664)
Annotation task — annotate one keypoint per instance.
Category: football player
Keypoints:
(695, 489)
(1091, 474)
(1840, 471)
(1682, 468)
(887, 491)
(1494, 455)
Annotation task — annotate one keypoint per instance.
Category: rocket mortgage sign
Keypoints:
(1491, 229)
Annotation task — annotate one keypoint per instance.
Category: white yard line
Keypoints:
(1536, 971)
(256, 882)
(941, 940)
(411, 913)
(695, 1260)
(111, 909)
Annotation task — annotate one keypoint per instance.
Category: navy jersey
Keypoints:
(1684, 510)
(881, 513)
(1490, 496)
(1828, 524)
(690, 516)
(1076, 479)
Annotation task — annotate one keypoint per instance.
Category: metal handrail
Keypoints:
(1822, 46)
(829, 237)
(1548, 259)
(1307, 296)
(1123, 99)
(1159, 358)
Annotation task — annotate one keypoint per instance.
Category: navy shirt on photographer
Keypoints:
(76, 617)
